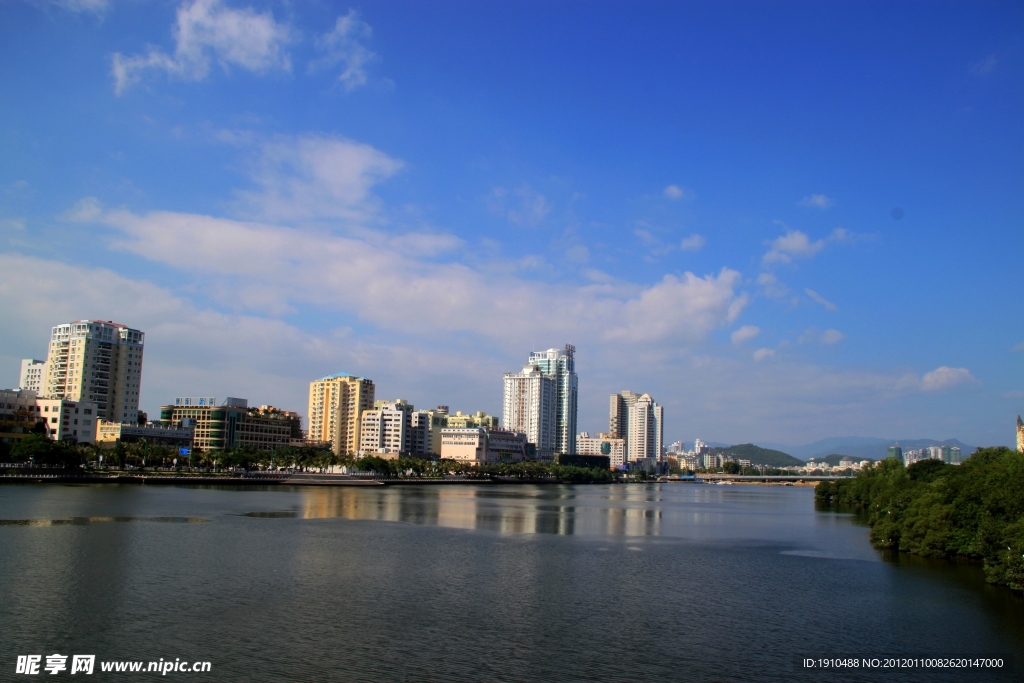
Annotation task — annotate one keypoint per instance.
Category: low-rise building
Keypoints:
(604, 444)
(477, 419)
(154, 433)
(68, 420)
(233, 424)
(480, 445)
(19, 414)
(689, 462)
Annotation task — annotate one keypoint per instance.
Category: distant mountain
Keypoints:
(862, 447)
(758, 455)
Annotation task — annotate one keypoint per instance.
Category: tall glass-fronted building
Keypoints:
(560, 366)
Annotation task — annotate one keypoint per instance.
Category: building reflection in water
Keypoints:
(524, 509)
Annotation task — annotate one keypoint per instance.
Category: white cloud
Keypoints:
(647, 237)
(819, 299)
(12, 224)
(675, 192)
(315, 177)
(196, 350)
(1019, 347)
(813, 335)
(383, 280)
(831, 336)
(745, 333)
(818, 201)
(794, 244)
(693, 243)
(523, 207)
(985, 66)
(344, 45)
(945, 378)
(771, 287)
(686, 308)
(85, 210)
(578, 254)
(762, 354)
(206, 30)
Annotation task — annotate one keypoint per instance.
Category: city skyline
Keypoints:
(397, 191)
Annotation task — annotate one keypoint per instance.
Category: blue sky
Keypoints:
(784, 221)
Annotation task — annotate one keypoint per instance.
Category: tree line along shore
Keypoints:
(973, 511)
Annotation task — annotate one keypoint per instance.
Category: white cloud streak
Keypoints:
(675, 192)
(817, 201)
(522, 207)
(819, 299)
(207, 31)
(985, 67)
(744, 333)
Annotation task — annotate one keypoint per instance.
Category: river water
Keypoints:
(659, 582)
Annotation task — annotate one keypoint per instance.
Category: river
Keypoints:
(658, 582)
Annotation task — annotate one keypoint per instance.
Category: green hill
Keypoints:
(759, 456)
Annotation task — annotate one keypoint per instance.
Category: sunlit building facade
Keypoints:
(336, 406)
(98, 362)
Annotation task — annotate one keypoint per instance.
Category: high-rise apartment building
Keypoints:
(33, 374)
(99, 362)
(336, 404)
(618, 413)
(529, 407)
(646, 431)
(1020, 435)
(560, 366)
(639, 420)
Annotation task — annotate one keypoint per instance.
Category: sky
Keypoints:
(784, 221)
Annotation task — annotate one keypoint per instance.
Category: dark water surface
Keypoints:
(670, 582)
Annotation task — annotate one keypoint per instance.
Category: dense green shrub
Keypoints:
(974, 510)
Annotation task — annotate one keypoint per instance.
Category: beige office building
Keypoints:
(336, 406)
(69, 420)
(98, 362)
(477, 419)
(638, 420)
(604, 444)
(480, 445)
